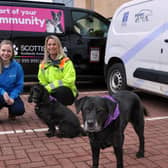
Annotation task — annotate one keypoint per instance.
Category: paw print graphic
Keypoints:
(16, 49)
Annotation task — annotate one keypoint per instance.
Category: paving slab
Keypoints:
(23, 144)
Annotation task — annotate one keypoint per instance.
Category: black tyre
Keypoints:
(116, 78)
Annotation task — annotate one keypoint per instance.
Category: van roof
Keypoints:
(62, 5)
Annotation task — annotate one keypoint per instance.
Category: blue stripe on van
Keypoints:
(140, 45)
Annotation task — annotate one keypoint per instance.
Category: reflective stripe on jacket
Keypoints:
(58, 73)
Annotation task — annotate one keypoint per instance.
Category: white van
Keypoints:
(137, 47)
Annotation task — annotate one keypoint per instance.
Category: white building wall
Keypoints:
(40, 0)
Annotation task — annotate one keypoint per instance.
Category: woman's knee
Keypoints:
(64, 95)
(17, 108)
(2, 102)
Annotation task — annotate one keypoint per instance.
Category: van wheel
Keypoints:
(116, 78)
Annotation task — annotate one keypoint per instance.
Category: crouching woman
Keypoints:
(11, 81)
(57, 73)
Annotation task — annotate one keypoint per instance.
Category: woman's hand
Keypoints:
(11, 101)
(7, 99)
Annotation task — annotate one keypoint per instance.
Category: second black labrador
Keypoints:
(53, 114)
(105, 119)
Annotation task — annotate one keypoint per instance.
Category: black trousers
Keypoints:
(64, 95)
(16, 109)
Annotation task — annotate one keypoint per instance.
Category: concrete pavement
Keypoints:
(23, 144)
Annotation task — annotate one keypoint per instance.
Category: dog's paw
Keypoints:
(49, 134)
(59, 135)
(140, 154)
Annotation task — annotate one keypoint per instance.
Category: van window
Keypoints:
(88, 25)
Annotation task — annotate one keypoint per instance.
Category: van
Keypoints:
(136, 53)
(82, 33)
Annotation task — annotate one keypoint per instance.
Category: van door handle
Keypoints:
(166, 40)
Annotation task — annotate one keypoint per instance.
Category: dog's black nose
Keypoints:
(90, 123)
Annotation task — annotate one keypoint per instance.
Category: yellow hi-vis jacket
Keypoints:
(59, 73)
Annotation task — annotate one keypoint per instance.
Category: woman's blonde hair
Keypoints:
(57, 40)
(4, 42)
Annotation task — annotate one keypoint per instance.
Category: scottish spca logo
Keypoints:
(16, 49)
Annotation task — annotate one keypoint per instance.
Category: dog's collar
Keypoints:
(113, 116)
(52, 98)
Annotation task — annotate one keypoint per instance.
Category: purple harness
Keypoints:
(113, 116)
(52, 98)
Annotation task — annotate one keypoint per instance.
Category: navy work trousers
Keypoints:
(15, 109)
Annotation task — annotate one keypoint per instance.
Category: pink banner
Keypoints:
(31, 19)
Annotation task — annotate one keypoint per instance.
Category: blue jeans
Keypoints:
(15, 109)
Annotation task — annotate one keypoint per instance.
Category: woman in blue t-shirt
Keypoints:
(11, 81)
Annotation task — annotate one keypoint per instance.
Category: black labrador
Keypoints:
(53, 113)
(105, 119)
